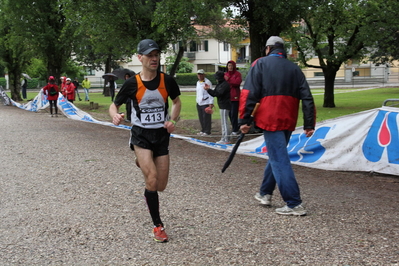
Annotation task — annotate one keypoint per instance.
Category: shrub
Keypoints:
(34, 83)
(190, 79)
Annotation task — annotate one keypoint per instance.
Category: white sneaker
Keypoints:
(298, 210)
(222, 142)
(200, 133)
(265, 199)
(235, 133)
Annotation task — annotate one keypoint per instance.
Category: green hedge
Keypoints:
(190, 79)
(183, 79)
(3, 83)
(32, 84)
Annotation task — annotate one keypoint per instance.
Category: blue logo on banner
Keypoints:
(383, 134)
(307, 150)
(67, 106)
(303, 149)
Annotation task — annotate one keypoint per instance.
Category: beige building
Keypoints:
(212, 55)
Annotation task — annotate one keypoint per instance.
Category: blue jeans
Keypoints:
(278, 168)
(86, 94)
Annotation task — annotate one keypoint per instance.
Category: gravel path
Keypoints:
(70, 195)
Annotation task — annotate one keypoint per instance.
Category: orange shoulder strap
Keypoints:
(141, 88)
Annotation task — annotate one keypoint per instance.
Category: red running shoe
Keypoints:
(160, 234)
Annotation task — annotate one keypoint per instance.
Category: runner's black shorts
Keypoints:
(156, 140)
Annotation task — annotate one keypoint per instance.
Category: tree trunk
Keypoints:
(257, 44)
(106, 91)
(54, 71)
(329, 80)
(177, 61)
(15, 85)
(55, 66)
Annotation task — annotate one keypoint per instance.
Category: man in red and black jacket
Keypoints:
(278, 85)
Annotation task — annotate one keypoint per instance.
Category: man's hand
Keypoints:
(308, 132)
(245, 128)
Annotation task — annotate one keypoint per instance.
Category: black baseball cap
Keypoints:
(147, 46)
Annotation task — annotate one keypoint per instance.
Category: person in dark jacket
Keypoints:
(128, 102)
(76, 83)
(278, 85)
(222, 92)
(24, 87)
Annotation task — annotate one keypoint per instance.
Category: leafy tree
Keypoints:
(109, 31)
(338, 30)
(2, 70)
(37, 68)
(14, 51)
(264, 19)
(44, 25)
(180, 21)
(174, 20)
(385, 49)
(184, 66)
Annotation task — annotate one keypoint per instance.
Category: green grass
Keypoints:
(347, 101)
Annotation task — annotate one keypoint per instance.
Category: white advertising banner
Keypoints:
(367, 141)
(66, 107)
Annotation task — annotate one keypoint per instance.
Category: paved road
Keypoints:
(70, 196)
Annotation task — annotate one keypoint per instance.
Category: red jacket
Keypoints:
(46, 90)
(69, 91)
(278, 85)
(234, 79)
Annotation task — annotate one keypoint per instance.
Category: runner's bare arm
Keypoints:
(117, 118)
(176, 107)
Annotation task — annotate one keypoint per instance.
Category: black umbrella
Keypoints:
(106, 76)
(121, 72)
(26, 76)
(239, 140)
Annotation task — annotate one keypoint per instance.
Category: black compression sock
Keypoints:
(153, 206)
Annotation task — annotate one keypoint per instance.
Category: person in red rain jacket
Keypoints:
(233, 77)
(69, 90)
(51, 91)
(62, 83)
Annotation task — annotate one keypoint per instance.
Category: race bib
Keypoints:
(152, 115)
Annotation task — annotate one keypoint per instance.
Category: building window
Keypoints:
(207, 67)
(90, 71)
(225, 46)
(203, 46)
(193, 46)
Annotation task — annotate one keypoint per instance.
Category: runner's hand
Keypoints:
(117, 119)
(169, 126)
